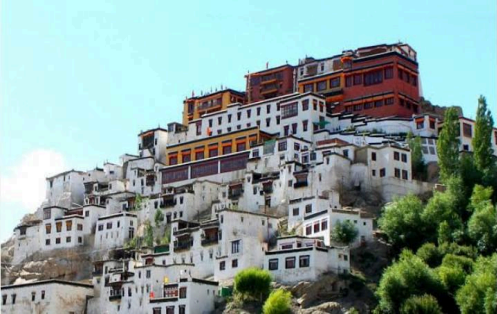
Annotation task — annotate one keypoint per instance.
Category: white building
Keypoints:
(113, 231)
(297, 258)
(26, 240)
(47, 296)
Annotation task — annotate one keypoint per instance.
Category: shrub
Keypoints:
(159, 217)
(253, 283)
(279, 302)
(344, 232)
(425, 304)
(430, 254)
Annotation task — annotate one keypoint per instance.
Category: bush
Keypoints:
(344, 232)
(253, 283)
(159, 217)
(408, 277)
(430, 254)
(279, 302)
(401, 221)
(425, 304)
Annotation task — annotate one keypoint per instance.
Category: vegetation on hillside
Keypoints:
(454, 233)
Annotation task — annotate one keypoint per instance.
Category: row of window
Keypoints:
(234, 264)
(421, 124)
(322, 85)
(370, 104)
(14, 296)
(170, 309)
(290, 262)
(316, 227)
(68, 240)
(398, 156)
(58, 227)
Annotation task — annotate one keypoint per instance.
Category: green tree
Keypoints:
(482, 140)
(430, 254)
(407, 277)
(253, 283)
(149, 234)
(479, 292)
(480, 196)
(344, 232)
(441, 217)
(159, 217)
(482, 227)
(278, 302)
(139, 203)
(418, 165)
(166, 239)
(448, 145)
(425, 304)
(401, 222)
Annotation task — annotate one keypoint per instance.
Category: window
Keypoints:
(304, 261)
(290, 110)
(234, 263)
(199, 155)
(373, 156)
(249, 113)
(405, 175)
(432, 124)
(227, 149)
(57, 240)
(348, 81)
(43, 294)
(404, 157)
(373, 77)
(47, 213)
(396, 156)
(87, 213)
(222, 265)
(378, 103)
(273, 264)
(80, 239)
(305, 104)
(235, 247)
(335, 82)
(467, 130)
(324, 225)
(182, 309)
(382, 172)
(240, 147)
(100, 227)
(389, 101)
(58, 226)
(229, 118)
(238, 116)
(308, 88)
(268, 122)
(388, 73)
(420, 125)
(296, 211)
(368, 105)
(182, 293)
(308, 208)
(80, 227)
(282, 146)
(321, 86)
(397, 173)
(290, 262)
(373, 173)
(33, 296)
(47, 242)
(346, 153)
(357, 79)
(278, 120)
(268, 109)
(4, 299)
(156, 310)
(316, 227)
(13, 298)
(308, 229)
(148, 273)
(68, 239)
(109, 225)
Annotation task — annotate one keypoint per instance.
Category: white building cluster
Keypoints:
(255, 185)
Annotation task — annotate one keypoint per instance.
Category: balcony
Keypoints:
(210, 240)
(300, 184)
(183, 245)
(235, 193)
(115, 297)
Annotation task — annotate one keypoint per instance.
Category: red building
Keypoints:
(269, 83)
(378, 81)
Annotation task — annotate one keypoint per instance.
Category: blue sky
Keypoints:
(80, 79)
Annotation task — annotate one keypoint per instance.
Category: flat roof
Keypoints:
(48, 282)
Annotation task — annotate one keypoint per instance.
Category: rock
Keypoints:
(328, 307)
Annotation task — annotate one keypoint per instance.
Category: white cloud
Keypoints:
(24, 183)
